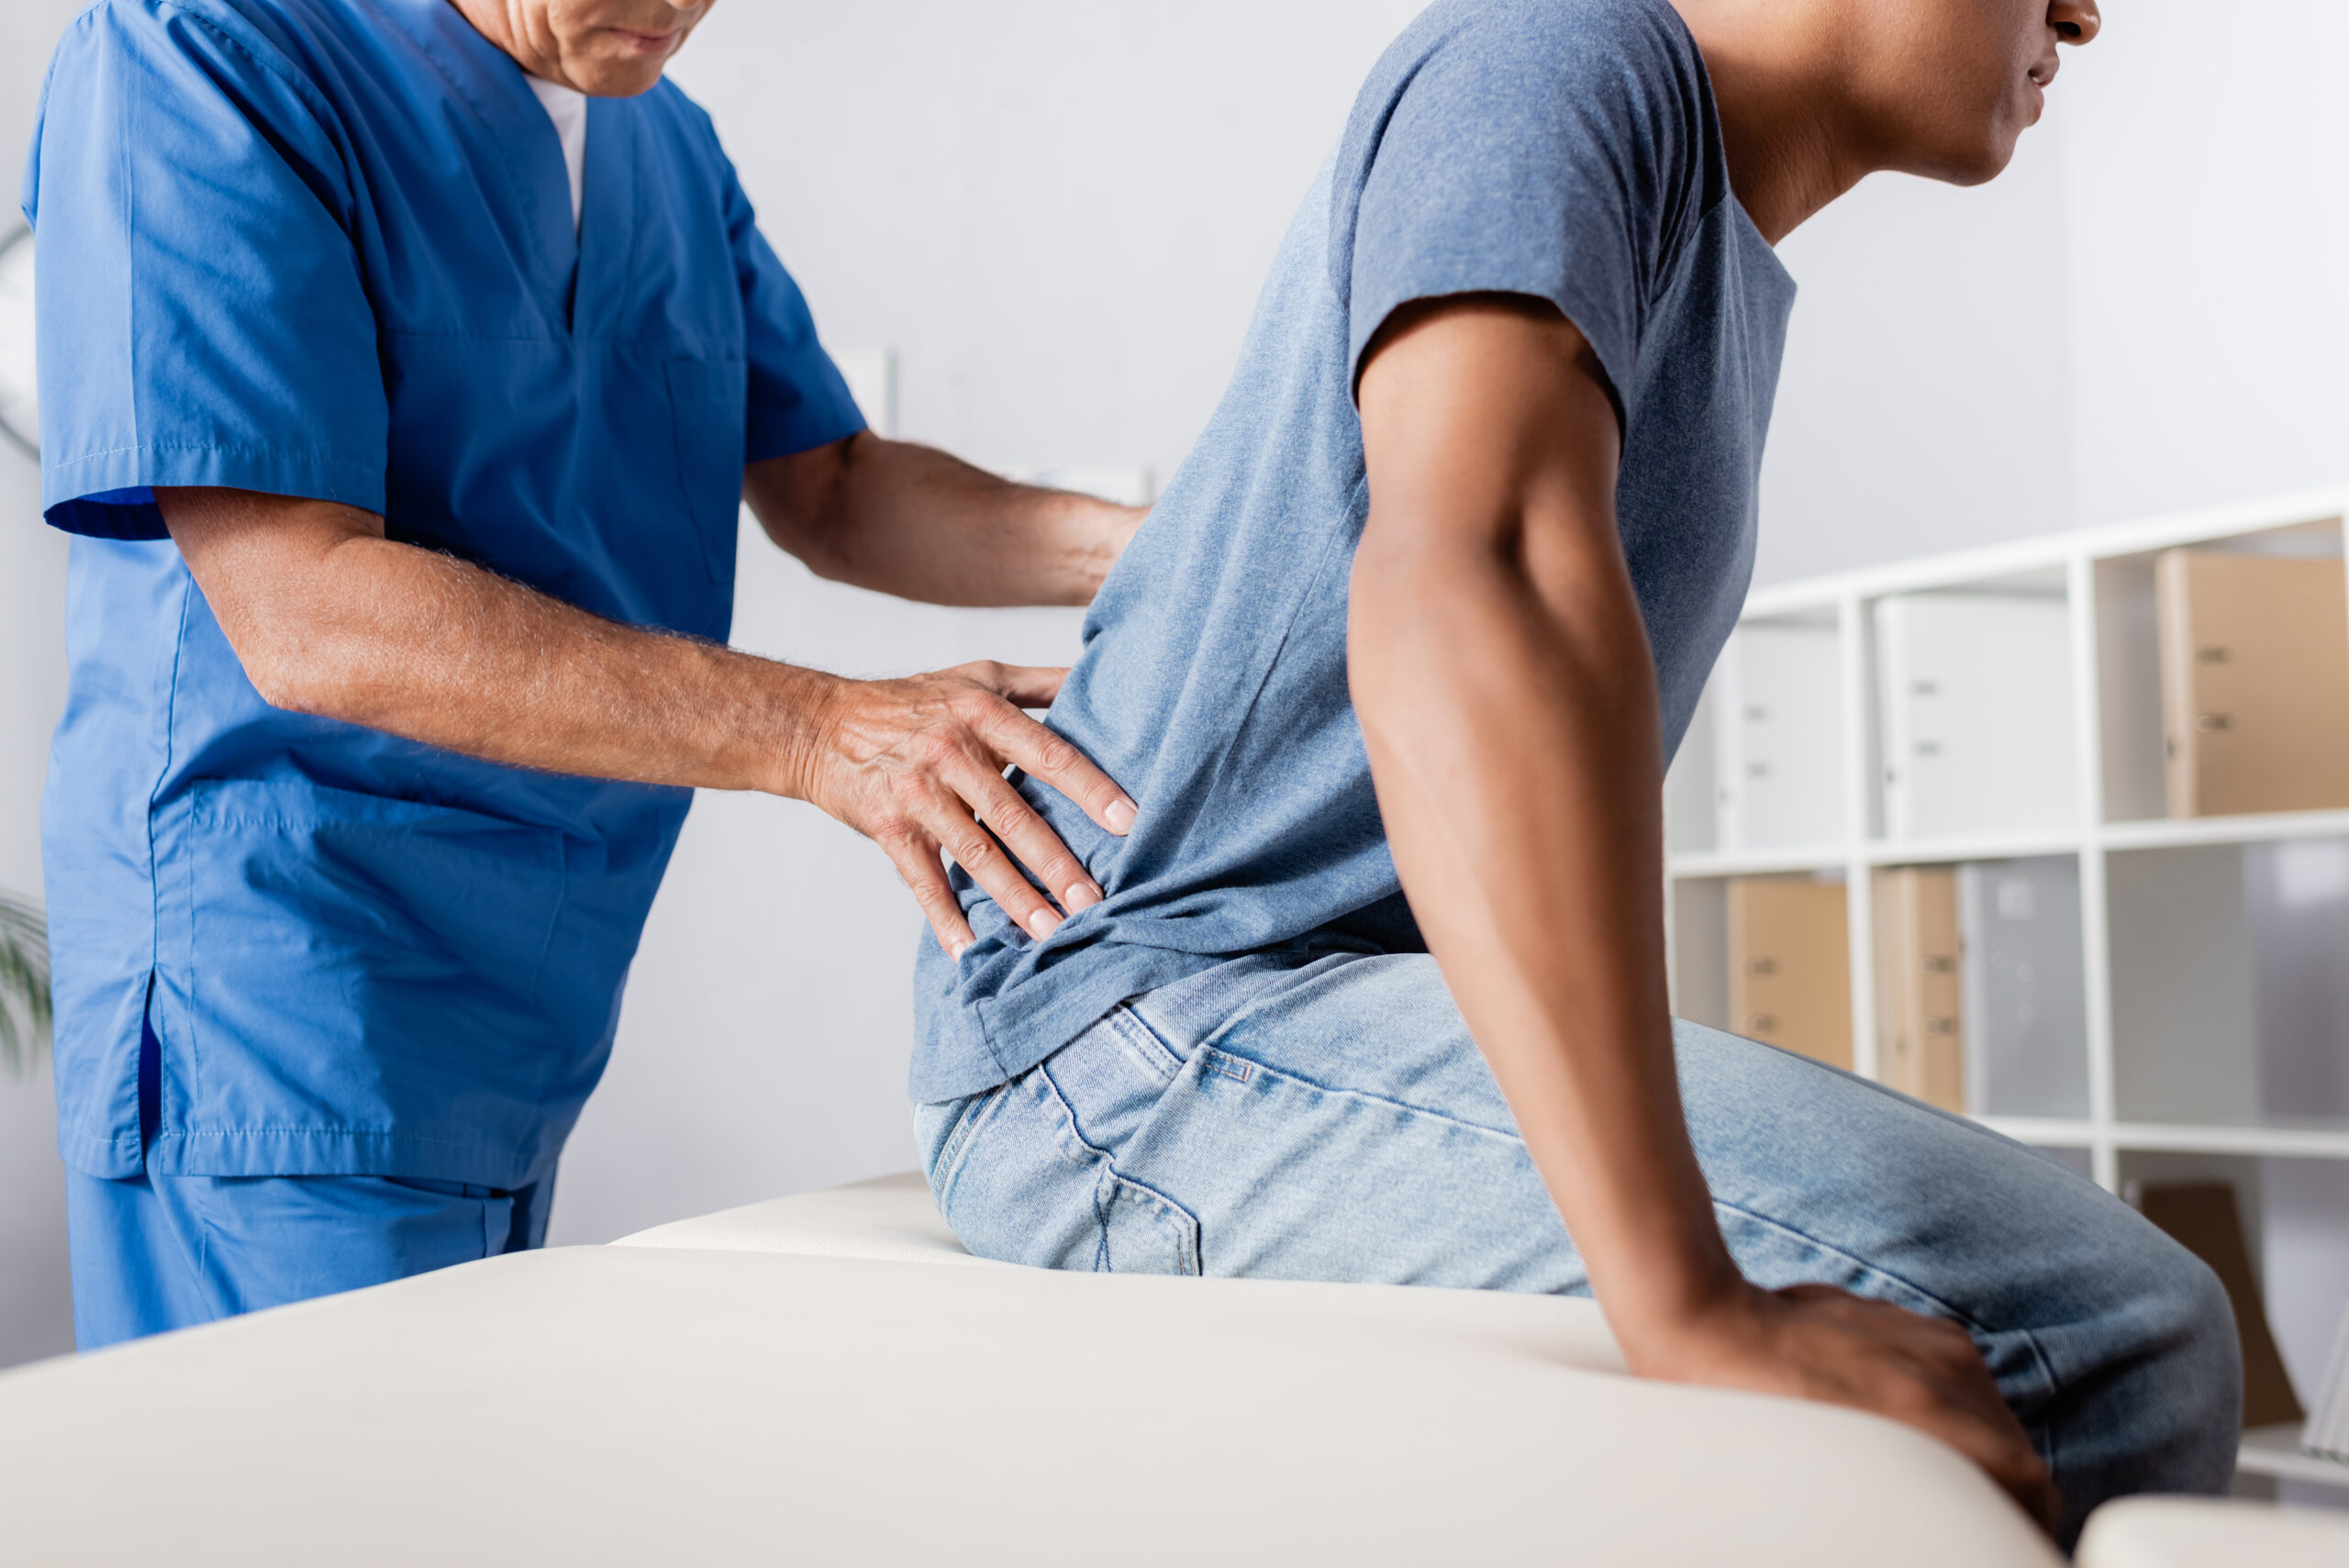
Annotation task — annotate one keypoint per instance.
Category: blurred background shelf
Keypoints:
(2262, 1141)
(2264, 827)
(1760, 862)
(2276, 1450)
(2329, 1142)
(1937, 822)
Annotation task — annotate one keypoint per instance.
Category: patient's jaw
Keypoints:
(607, 49)
(1945, 87)
(1816, 95)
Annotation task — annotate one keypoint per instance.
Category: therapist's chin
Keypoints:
(621, 64)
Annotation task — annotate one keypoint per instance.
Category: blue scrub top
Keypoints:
(324, 248)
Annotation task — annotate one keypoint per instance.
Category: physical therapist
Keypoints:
(405, 363)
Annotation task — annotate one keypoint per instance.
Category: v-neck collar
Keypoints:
(608, 219)
(575, 266)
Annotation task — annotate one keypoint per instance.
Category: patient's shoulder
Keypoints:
(1507, 122)
(1590, 83)
(1576, 47)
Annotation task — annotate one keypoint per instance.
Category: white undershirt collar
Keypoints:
(567, 107)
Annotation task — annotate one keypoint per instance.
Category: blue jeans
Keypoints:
(1332, 1120)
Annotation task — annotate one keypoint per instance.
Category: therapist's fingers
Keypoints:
(1045, 755)
(1029, 837)
(1023, 685)
(916, 765)
(950, 821)
(915, 855)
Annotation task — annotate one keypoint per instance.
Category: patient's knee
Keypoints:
(2200, 1356)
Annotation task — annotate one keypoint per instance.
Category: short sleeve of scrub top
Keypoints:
(199, 276)
(798, 398)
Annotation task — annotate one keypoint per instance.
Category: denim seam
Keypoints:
(1102, 1162)
(2050, 1383)
(967, 1120)
(1971, 1324)
(1362, 1095)
(1238, 1069)
(1135, 1031)
(2038, 1352)
(197, 1198)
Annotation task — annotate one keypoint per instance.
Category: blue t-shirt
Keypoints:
(1562, 148)
(325, 248)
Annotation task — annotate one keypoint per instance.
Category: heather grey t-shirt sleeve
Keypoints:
(1541, 148)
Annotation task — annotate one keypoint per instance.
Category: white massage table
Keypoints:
(831, 1379)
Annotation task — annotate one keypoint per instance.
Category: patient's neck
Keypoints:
(1789, 134)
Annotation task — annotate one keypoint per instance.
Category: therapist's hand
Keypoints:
(917, 766)
(330, 618)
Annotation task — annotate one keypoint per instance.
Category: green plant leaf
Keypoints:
(25, 1014)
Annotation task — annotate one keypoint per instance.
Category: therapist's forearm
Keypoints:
(331, 617)
(910, 520)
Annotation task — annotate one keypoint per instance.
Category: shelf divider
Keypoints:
(2096, 945)
(2186, 833)
(1859, 824)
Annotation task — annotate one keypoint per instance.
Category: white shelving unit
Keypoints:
(2207, 1050)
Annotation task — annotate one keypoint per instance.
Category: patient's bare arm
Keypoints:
(1507, 696)
(331, 617)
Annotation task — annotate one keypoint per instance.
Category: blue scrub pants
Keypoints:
(157, 1252)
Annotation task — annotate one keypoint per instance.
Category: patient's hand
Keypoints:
(1813, 1341)
(916, 765)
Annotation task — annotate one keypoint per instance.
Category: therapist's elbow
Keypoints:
(302, 647)
(280, 579)
(294, 651)
(294, 670)
(804, 502)
(822, 550)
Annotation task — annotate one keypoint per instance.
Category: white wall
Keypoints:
(1925, 400)
(35, 1306)
(2208, 192)
(2146, 312)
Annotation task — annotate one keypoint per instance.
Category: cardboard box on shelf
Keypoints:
(1790, 965)
(2254, 667)
(1921, 1041)
(2203, 1217)
(1976, 696)
(2025, 994)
